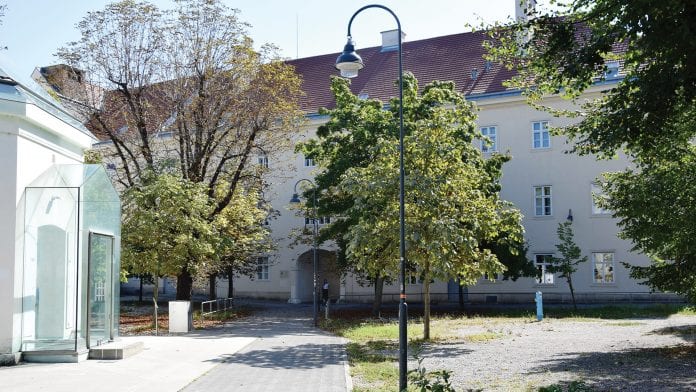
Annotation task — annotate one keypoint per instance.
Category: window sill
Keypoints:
(545, 286)
(540, 149)
(541, 217)
(610, 285)
(607, 215)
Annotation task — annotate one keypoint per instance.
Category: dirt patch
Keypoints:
(632, 355)
(138, 318)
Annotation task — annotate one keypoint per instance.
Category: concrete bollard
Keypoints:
(539, 306)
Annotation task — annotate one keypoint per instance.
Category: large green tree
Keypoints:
(166, 228)
(182, 92)
(452, 199)
(347, 141)
(646, 111)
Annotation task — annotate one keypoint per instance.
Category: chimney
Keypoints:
(523, 8)
(390, 40)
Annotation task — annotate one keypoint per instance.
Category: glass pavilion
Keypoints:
(69, 233)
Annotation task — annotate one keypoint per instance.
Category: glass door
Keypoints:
(99, 312)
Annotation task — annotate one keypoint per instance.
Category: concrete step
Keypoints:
(115, 350)
(54, 356)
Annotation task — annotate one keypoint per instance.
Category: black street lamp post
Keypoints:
(349, 63)
(294, 200)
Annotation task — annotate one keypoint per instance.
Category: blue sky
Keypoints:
(34, 29)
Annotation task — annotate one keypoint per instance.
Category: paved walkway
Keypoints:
(276, 350)
(288, 356)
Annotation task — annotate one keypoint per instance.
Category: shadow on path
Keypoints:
(646, 369)
(303, 356)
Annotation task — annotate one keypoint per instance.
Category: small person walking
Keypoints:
(325, 291)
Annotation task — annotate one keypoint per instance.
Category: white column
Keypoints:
(295, 283)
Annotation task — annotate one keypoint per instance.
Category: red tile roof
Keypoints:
(450, 57)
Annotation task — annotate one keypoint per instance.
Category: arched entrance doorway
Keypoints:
(326, 269)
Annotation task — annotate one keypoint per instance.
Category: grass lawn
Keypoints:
(373, 346)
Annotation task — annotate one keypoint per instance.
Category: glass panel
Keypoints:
(99, 291)
(609, 274)
(49, 302)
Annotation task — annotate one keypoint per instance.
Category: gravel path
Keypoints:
(611, 355)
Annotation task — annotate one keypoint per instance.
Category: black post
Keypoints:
(403, 307)
(314, 270)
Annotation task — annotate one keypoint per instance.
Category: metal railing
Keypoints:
(216, 305)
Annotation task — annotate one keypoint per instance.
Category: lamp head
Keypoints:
(570, 215)
(295, 199)
(349, 62)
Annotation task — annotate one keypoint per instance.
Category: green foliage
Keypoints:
(436, 381)
(571, 255)
(349, 142)
(647, 112)
(452, 203)
(242, 234)
(166, 228)
(568, 51)
(656, 208)
(345, 142)
(93, 156)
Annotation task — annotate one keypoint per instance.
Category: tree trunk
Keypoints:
(155, 294)
(426, 307)
(572, 293)
(461, 294)
(184, 285)
(230, 282)
(377, 300)
(140, 293)
(212, 294)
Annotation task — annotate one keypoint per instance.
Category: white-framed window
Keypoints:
(99, 291)
(597, 193)
(262, 268)
(540, 135)
(263, 160)
(543, 262)
(309, 162)
(542, 200)
(323, 220)
(603, 267)
(492, 133)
